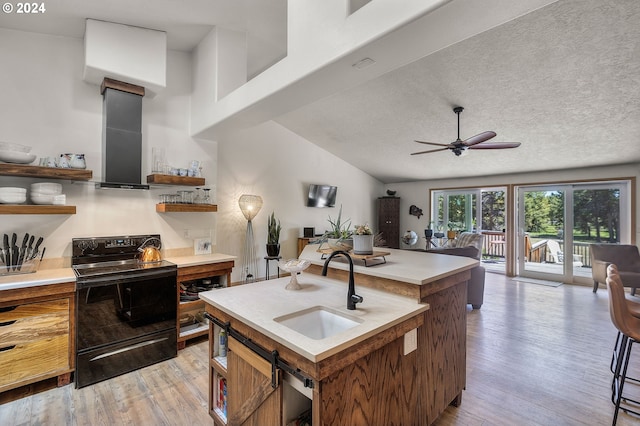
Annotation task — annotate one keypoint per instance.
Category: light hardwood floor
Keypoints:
(537, 355)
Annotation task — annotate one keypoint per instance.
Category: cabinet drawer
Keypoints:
(33, 322)
(23, 361)
(16, 312)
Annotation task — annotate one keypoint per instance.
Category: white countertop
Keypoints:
(257, 304)
(64, 275)
(41, 277)
(201, 259)
(414, 267)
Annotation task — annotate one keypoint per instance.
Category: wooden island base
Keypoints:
(441, 355)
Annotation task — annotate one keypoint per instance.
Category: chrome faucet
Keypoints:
(352, 297)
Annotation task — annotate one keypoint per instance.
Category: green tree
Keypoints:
(493, 210)
(537, 211)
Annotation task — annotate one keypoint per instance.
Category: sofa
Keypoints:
(625, 256)
(468, 244)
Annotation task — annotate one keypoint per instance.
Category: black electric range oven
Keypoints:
(125, 309)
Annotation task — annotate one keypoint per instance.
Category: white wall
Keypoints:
(270, 161)
(46, 104)
(418, 192)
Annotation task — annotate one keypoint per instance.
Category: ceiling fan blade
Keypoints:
(433, 143)
(431, 150)
(479, 138)
(496, 145)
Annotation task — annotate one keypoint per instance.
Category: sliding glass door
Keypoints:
(480, 210)
(557, 223)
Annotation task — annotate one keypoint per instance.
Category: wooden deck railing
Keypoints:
(494, 246)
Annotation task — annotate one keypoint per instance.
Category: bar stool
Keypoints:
(629, 327)
(634, 309)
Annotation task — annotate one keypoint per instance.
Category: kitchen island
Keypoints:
(403, 363)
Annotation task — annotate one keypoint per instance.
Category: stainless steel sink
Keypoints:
(318, 322)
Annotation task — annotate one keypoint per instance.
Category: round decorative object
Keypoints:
(391, 193)
(293, 266)
(410, 238)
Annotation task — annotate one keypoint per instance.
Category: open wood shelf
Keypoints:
(175, 180)
(200, 330)
(23, 170)
(36, 209)
(220, 364)
(166, 208)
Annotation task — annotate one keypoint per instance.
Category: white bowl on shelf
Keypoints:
(48, 199)
(16, 157)
(13, 198)
(46, 188)
(12, 190)
(16, 147)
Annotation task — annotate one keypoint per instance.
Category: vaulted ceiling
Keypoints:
(563, 80)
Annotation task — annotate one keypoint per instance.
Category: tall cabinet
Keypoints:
(389, 220)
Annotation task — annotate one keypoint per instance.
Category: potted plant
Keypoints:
(428, 233)
(452, 232)
(273, 236)
(339, 231)
(362, 240)
(439, 234)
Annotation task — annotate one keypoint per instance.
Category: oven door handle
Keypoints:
(123, 278)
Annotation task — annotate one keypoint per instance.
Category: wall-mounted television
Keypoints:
(322, 195)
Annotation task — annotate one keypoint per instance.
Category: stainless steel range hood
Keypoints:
(121, 135)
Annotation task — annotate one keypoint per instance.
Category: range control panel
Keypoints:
(118, 245)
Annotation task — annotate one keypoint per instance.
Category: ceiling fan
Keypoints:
(475, 142)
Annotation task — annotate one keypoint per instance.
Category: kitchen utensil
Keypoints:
(7, 252)
(23, 249)
(150, 253)
(35, 249)
(42, 255)
(29, 248)
(14, 251)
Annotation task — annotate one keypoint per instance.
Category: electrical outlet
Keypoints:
(411, 341)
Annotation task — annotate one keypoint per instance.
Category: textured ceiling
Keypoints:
(563, 80)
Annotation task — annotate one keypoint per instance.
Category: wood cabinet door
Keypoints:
(251, 400)
(389, 220)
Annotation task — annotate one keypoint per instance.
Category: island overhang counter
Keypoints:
(437, 280)
(406, 372)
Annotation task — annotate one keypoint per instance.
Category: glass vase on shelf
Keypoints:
(206, 199)
(198, 197)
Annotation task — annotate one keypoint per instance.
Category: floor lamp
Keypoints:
(250, 206)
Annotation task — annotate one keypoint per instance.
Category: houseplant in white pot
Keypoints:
(362, 240)
(338, 233)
